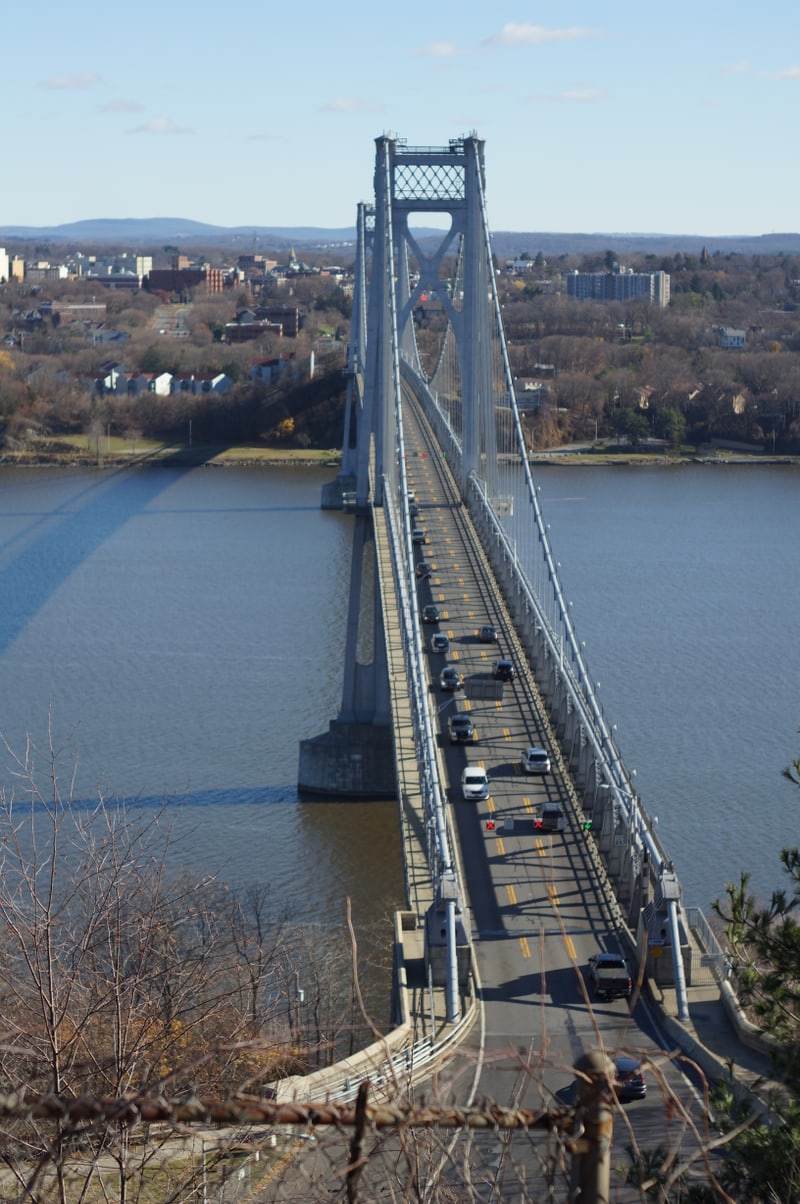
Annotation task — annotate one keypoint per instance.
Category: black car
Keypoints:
(503, 671)
(430, 614)
(450, 678)
(629, 1080)
(461, 730)
(423, 570)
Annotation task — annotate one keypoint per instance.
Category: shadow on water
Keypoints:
(199, 799)
(60, 539)
(65, 536)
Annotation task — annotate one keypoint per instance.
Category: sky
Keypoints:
(605, 116)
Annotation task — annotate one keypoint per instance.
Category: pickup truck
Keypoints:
(609, 976)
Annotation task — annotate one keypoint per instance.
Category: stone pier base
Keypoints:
(350, 761)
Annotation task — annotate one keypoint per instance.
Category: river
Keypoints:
(182, 629)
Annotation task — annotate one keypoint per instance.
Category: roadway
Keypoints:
(537, 902)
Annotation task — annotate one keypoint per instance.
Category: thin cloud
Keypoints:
(160, 125)
(351, 104)
(65, 82)
(121, 106)
(437, 50)
(786, 73)
(538, 35)
(573, 96)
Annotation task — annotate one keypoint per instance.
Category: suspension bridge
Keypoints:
(434, 435)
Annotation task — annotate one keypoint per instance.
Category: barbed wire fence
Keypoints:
(388, 1144)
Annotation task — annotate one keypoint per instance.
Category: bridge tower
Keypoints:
(355, 758)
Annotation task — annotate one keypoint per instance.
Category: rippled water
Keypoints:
(185, 629)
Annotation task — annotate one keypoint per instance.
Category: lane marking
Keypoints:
(506, 734)
(569, 945)
(512, 895)
(527, 804)
(524, 946)
(501, 848)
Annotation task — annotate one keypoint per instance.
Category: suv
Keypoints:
(418, 535)
(536, 760)
(550, 819)
(503, 671)
(461, 730)
(487, 634)
(440, 642)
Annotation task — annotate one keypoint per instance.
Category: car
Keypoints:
(474, 783)
(417, 535)
(536, 760)
(550, 819)
(440, 642)
(461, 729)
(450, 678)
(487, 634)
(423, 570)
(413, 509)
(503, 670)
(609, 976)
(431, 614)
(629, 1079)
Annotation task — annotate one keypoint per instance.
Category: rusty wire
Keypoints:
(248, 1110)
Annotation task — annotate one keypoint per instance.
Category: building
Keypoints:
(727, 337)
(621, 285)
(285, 316)
(4, 266)
(181, 280)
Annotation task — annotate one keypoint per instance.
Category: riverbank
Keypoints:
(629, 459)
(82, 452)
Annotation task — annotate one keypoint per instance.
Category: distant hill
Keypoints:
(147, 231)
(178, 231)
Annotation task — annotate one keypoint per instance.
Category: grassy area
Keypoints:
(104, 449)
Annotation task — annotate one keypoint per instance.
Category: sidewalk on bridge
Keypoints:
(717, 1036)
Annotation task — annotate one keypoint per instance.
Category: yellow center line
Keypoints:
(553, 893)
(490, 804)
(467, 704)
(506, 734)
(569, 945)
(527, 804)
(498, 704)
(524, 946)
(501, 848)
(512, 895)
(539, 846)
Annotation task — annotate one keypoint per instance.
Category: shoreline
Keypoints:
(225, 456)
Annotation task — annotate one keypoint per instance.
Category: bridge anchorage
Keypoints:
(453, 367)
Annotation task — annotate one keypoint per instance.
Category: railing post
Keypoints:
(591, 1164)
